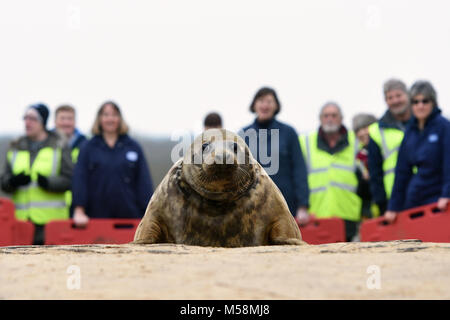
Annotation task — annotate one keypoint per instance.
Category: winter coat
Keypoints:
(112, 182)
(422, 174)
(291, 176)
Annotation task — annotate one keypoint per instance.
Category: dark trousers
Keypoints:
(351, 227)
(38, 234)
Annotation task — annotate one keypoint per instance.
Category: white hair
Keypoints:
(331, 103)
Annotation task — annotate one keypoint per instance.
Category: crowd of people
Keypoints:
(57, 174)
(376, 168)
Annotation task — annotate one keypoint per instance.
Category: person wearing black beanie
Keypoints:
(38, 171)
(42, 111)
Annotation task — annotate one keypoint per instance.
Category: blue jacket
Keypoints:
(429, 152)
(375, 161)
(291, 177)
(77, 140)
(112, 182)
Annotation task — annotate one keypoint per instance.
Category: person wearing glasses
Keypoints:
(38, 171)
(386, 135)
(422, 175)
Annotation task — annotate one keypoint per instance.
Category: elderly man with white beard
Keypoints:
(333, 176)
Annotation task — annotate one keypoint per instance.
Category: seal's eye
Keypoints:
(205, 147)
(235, 147)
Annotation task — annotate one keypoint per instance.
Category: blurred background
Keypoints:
(168, 63)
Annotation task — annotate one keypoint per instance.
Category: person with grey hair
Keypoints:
(331, 124)
(360, 124)
(332, 172)
(386, 136)
(422, 175)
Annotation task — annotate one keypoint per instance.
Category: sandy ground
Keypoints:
(402, 269)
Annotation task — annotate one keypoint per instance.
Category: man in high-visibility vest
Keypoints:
(333, 176)
(65, 120)
(38, 171)
(65, 123)
(386, 135)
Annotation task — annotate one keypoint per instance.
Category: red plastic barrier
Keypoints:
(97, 231)
(6, 222)
(13, 231)
(426, 223)
(23, 233)
(379, 229)
(6, 210)
(319, 231)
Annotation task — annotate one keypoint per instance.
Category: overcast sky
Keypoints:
(168, 63)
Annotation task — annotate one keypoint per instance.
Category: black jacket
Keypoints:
(375, 161)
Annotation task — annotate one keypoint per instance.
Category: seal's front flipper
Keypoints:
(289, 241)
(149, 231)
(285, 232)
(143, 241)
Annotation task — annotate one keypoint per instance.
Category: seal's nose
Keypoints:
(219, 158)
(223, 158)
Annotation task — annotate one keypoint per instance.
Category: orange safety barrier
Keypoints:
(98, 231)
(426, 223)
(13, 231)
(318, 231)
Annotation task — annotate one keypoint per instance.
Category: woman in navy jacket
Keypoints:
(111, 178)
(422, 174)
(287, 167)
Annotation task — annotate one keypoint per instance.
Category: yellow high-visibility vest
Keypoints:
(75, 152)
(332, 179)
(31, 201)
(68, 195)
(389, 141)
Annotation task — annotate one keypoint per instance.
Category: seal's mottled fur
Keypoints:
(220, 202)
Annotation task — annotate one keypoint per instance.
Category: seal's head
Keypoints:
(219, 166)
